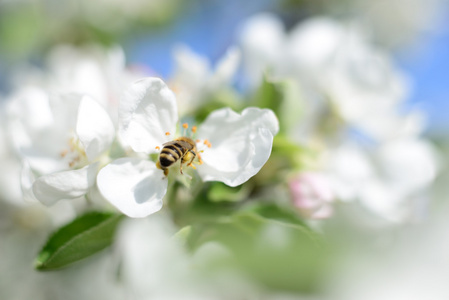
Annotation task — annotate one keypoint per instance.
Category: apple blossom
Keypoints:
(62, 140)
(386, 179)
(89, 70)
(337, 67)
(233, 147)
(195, 81)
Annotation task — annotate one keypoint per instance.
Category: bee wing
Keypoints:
(169, 143)
(183, 144)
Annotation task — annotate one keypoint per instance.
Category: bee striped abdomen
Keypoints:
(174, 151)
(170, 154)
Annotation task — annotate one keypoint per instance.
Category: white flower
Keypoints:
(194, 80)
(263, 42)
(10, 174)
(61, 139)
(240, 146)
(95, 71)
(337, 67)
(90, 70)
(388, 180)
(154, 262)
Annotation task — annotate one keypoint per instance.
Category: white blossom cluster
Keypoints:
(374, 152)
(85, 132)
(64, 139)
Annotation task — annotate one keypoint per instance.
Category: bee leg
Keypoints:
(158, 165)
(190, 162)
(193, 157)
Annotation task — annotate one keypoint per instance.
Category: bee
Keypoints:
(182, 148)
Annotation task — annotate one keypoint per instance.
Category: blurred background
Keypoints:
(414, 34)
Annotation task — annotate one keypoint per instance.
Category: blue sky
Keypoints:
(208, 29)
(428, 66)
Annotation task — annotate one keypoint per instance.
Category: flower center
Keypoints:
(183, 149)
(75, 154)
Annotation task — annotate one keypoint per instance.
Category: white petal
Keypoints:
(410, 164)
(241, 144)
(135, 186)
(27, 179)
(191, 68)
(147, 111)
(72, 184)
(226, 68)
(94, 128)
(262, 39)
(314, 42)
(32, 106)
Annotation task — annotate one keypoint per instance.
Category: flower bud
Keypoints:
(312, 195)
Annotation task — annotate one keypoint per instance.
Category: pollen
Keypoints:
(207, 143)
(167, 133)
(64, 153)
(194, 129)
(185, 125)
(200, 161)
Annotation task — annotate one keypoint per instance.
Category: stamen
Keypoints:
(191, 165)
(167, 133)
(158, 148)
(185, 125)
(197, 141)
(194, 129)
(64, 153)
(207, 143)
(75, 153)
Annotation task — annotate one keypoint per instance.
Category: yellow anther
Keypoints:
(207, 143)
(167, 133)
(191, 165)
(185, 125)
(200, 161)
(194, 129)
(64, 153)
(158, 148)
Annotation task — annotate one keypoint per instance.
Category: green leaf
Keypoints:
(277, 254)
(219, 99)
(77, 240)
(183, 234)
(284, 98)
(268, 95)
(219, 192)
(275, 212)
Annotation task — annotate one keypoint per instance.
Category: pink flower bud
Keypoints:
(312, 195)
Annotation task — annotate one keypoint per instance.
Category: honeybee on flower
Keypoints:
(234, 147)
